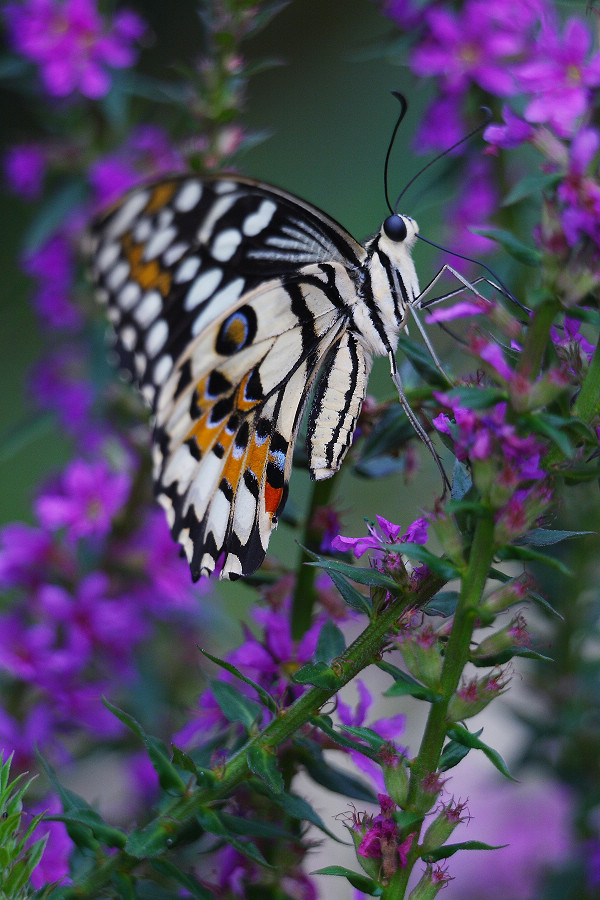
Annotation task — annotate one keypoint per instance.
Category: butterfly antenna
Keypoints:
(508, 294)
(467, 137)
(404, 107)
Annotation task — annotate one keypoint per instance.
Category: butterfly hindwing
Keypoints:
(225, 437)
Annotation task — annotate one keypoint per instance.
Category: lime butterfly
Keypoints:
(232, 300)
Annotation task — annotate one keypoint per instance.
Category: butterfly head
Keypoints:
(400, 229)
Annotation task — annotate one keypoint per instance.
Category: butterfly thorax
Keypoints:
(389, 287)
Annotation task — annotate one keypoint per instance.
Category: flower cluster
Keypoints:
(71, 43)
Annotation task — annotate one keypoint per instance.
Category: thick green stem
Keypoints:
(304, 594)
(530, 360)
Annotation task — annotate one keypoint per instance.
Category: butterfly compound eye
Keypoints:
(395, 228)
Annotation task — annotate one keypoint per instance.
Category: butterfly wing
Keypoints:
(226, 296)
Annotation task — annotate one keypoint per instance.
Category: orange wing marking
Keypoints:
(148, 275)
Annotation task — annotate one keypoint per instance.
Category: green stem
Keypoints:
(455, 659)
(536, 341)
(304, 594)
(178, 821)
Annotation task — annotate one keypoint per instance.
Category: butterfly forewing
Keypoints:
(227, 297)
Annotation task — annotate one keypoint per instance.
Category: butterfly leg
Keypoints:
(414, 421)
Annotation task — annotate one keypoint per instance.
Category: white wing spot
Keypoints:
(107, 256)
(225, 244)
(115, 279)
(188, 269)
(258, 221)
(174, 253)
(202, 288)
(220, 303)
(163, 368)
(126, 214)
(128, 337)
(159, 242)
(156, 337)
(188, 196)
(142, 231)
(148, 309)
(129, 296)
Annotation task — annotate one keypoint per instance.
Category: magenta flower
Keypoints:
(560, 76)
(24, 169)
(54, 864)
(72, 44)
(469, 46)
(84, 501)
(443, 124)
(53, 267)
(571, 346)
(473, 210)
(513, 133)
(60, 383)
(579, 193)
(25, 553)
(381, 534)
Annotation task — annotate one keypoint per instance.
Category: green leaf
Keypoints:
(441, 567)
(324, 723)
(236, 707)
(545, 605)
(72, 804)
(422, 362)
(357, 879)
(191, 885)
(265, 697)
(351, 596)
(451, 755)
(462, 736)
(211, 822)
(512, 551)
(168, 776)
(443, 604)
(450, 849)
(255, 828)
(513, 246)
(477, 398)
(54, 212)
(318, 674)
(406, 684)
(531, 185)
(331, 643)
(461, 481)
(298, 808)
(498, 659)
(89, 818)
(545, 537)
(556, 433)
(328, 776)
(264, 765)
(370, 737)
(150, 841)
(372, 577)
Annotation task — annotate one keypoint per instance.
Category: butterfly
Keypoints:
(233, 302)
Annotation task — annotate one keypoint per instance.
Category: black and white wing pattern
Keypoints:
(230, 299)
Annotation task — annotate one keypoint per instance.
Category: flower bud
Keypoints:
(395, 777)
(514, 634)
(514, 591)
(422, 656)
(443, 825)
(433, 880)
(474, 695)
(429, 791)
(449, 536)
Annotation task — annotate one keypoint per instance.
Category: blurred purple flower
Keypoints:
(34, 729)
(477, 203)
(389, 728)
(147, 153)
(560, 76)
(24, 169)
(513, 133)
(54, 864)
(571, 346)
(469, 46)
(443, 124)
(72, 44)
(25, 553)
(84, 500)
(579, 192)
(60, 383)
(54, 269)
(406, 14)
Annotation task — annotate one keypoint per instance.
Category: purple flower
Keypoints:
(147, 153)
(25, 552)
(571, 346)
(470, 46)
(579, 193)
(512, 134)
(60, 383)
(442, 125)
(381, 535)
(53, 268)
(388, 728)
(472, 211)
(463, 308)
(84, 501)
(54, 864)
(560, 76)
(24, 168)
(71, 43)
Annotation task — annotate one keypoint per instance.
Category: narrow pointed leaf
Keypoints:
(235, 706)
(193, 887)
(512, 551)
(331, 643)
(450, 849)
(357, 879)
(405, 684)
(318, 674)
(462, 736)
(442, 567)
(325, 725)
(265, 697)
(516, 248)
(531, 186)
(545, 537)
(264, 765)
(351, 595)
(211, 822)
(168, 776)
